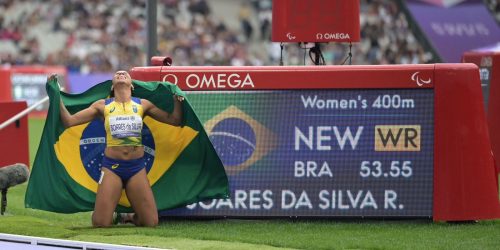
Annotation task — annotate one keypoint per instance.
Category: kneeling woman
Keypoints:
(123, 165)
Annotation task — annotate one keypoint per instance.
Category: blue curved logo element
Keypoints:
(239, 140)
(234, 139)
(93, 143)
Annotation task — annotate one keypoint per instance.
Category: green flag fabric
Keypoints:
(183, 166)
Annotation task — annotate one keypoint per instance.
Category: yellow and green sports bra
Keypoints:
(123, 122)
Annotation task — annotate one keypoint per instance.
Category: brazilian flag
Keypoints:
(182, 164)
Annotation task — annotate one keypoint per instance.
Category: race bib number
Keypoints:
(122, 126)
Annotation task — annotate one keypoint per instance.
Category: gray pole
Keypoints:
(152, 39)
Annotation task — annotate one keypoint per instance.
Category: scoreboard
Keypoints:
(342, 141)
(321, 152)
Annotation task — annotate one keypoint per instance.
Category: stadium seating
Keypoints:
(103, 36)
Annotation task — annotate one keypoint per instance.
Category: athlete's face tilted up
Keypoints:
(122, 77)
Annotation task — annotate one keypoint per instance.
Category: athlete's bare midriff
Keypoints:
(124, 152)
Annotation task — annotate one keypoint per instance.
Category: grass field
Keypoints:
(249, 234)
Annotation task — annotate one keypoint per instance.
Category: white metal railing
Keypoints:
(22, 113)
(26, 111)
(43, 243)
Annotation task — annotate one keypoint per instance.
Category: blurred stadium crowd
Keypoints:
(90, 36)
(494, 7)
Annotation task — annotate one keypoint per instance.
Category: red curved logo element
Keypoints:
(173, 78)
(420, 82)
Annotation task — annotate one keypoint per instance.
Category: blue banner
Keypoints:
(455, 26)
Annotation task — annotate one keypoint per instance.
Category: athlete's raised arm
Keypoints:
(174, 118)
(83, 116)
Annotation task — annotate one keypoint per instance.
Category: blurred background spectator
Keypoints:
(95, 36)
(494, 6)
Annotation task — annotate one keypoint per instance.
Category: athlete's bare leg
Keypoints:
(108, 195)
(141, 198)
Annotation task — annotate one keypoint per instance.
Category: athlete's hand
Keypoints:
(179, 98)
(52, 77)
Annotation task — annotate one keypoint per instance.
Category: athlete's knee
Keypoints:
(99, 222)
(150, 221)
